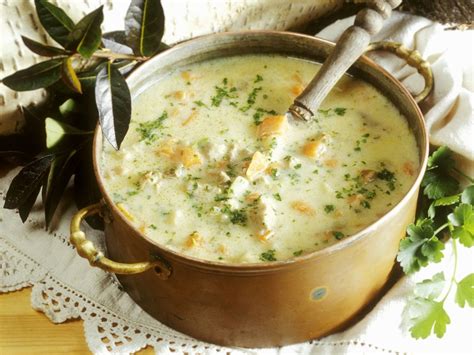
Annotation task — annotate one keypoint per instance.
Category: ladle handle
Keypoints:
(350, 46)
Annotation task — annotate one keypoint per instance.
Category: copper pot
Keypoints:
(263, 304)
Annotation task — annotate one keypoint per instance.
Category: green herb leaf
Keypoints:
(441, 158)
(62, 168)
(424, 316)
(419, 247)
(144, 26)
(446, 201)
(85, 37)
(43, 49)
(27, 182)
(463, 221)
(438, 184)
(55, 130)
(113, 102)
(269, 255)
(465, 291)
(430, 288)
(38, 76)
(54, 20)
(468, 195)
(69, 76)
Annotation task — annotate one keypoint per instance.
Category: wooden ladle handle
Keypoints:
(350, 46)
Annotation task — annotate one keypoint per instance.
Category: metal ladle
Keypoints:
(353, 42)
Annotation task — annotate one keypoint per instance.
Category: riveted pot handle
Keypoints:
(87, 250)
(413, 58)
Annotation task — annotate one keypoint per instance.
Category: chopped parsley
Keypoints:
(236, 216)
(338, 235)
(147, 130)
(268, 255)
(251, 99)
(258, 78)
(277, 196)
(298, 252)
(201, 104)
(340, 111)
(329, 208)
(223, 92)
(259, 112)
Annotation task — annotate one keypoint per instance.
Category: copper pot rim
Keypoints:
(216, 266)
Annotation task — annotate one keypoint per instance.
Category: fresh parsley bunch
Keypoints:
(445, 214)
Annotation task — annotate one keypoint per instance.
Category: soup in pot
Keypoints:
(212, 168)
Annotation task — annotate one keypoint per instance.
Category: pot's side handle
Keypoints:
(87, 250)
(413, 58)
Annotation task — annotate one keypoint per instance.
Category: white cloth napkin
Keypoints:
(65, 286)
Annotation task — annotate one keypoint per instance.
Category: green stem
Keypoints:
(453, 276)
(115, 56)
(470, 179)
(441, 228)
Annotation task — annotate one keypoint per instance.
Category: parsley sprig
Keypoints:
(445, 214)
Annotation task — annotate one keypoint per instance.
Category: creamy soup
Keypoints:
(213, 169)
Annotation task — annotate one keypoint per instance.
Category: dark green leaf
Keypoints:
(55, 130)
(27, 181)
(62, 168)
(43, 49)
(69, 76)
(430, 288)
(85, 37)
(144, 26)
(38, 76)
(438, 184)
(465, 291)
(419, 247)
(116, 36)
(441, 158)
(424, 316)
(463, 221)
(113, 103)
(25, 209)
(468, 195)
(86, 191)
(54, 20)
(447, 201)
(117, 47)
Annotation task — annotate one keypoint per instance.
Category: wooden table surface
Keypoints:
(26, 331)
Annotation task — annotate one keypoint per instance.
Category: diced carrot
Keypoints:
(253, 196)
(368, 175)
(330, 163)
(303, 207)
(189, 157)
(186, 75)
(191, 117)
(297, 89)
(221, 249)
(127, 214)
(179, 95)
(194, 240)
(167, 149)
(408, 168)
(265, 235)
(272, 126)
(257, 165)
(355, 199)
(313, 147)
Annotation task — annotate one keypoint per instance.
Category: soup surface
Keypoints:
(213, 169)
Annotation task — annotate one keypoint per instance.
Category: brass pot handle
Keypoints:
(413, 58)
(87, 250)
